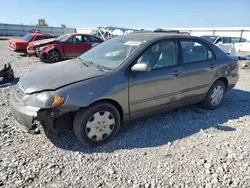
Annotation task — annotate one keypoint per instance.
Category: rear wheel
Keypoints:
(215, 95)
(54, 56)
(97, 123)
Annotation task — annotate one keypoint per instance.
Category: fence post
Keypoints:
(213, 32)
(5, 30)
(241, 33)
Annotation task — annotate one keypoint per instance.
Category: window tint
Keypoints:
(235, 39)
(77, 39)
(90, 38)
(160, 55)
(243, 40)
(38, 38)
(226, 40)
(48, 37)
(193, 51)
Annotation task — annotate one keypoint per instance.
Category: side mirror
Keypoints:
(141, 67)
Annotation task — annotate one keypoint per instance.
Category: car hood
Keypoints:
(52, 77)
(42, 42)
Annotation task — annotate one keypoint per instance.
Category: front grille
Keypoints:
(19, 92)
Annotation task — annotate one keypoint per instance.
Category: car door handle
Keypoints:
(212, 66)
(177, 73)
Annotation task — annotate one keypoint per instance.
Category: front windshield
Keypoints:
(111, 53)
(210, 38)
(63, 38)
(27, 37)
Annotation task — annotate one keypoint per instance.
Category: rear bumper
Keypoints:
(233, 80)
(12, 49)
(17, 50)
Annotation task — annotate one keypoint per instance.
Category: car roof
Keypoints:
(73, 34)
(209, 35)
(41, 34)
(154, 36)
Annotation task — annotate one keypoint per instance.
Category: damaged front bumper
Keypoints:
(27, 115)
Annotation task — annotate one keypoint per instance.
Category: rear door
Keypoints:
(75, 46)
(199, 68)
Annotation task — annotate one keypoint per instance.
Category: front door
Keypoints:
(149, 91)
(76, 46)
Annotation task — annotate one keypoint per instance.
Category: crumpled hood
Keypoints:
(42, 42)
(57, 75)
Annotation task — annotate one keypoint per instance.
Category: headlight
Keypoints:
(44, 100)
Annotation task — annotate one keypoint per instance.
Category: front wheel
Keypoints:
(215, 96)
(97, 123)
(54, 56)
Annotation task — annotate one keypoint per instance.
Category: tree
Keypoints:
(42, 22)
(63, 25)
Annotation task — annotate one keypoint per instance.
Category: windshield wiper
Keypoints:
(104, 67)
(83, 62)
(96, 65)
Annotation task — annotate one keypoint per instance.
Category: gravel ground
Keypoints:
(189, 147)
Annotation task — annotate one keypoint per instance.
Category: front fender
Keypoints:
(105, 87)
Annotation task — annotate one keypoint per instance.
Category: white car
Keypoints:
(230, 45)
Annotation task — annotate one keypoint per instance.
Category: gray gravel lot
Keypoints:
(188, 147)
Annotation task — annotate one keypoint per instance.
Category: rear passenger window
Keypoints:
(90, 39)
(38, 38)
(193, 51)
(227, 40)
(243, 40)
(235, 39)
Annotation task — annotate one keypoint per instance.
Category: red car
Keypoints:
(21, 45)
(34, 45)
(67, 46)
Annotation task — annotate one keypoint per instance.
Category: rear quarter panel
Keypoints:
(227, 66)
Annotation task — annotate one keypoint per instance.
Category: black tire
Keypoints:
(207, 103)
(84, 115)
(54, 56)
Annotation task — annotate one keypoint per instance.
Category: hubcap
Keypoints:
(54, 56)
(100, 126)
(217, 95)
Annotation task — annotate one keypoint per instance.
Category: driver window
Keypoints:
(163, 54)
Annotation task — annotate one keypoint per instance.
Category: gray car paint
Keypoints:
(58, 75)
(137, 93)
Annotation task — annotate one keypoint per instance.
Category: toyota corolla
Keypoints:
(124, 78)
